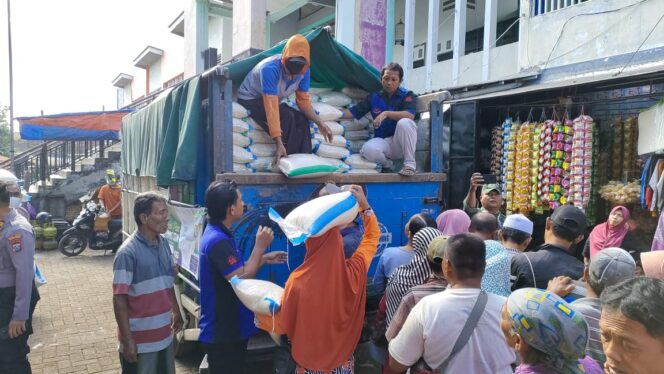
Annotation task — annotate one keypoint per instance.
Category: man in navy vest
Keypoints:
(393, 112)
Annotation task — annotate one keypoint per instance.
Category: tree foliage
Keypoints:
(4, 132)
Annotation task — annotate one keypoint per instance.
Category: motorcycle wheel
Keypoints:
(72, 244)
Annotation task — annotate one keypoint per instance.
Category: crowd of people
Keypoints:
(464, 294)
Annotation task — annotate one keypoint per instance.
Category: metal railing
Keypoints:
(40, 162)
(539, 7)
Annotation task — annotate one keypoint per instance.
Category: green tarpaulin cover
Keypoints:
(163, 139)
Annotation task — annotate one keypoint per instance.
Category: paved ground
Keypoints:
(75, 329)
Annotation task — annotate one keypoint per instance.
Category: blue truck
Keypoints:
(182, 141)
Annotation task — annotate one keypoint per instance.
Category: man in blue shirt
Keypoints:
(226, 324)
(393, 112)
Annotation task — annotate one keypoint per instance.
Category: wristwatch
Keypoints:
(366, 212)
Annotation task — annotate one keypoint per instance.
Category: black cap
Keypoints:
(570, 218)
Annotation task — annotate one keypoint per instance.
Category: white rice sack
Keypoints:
(319, 90)
(262, 164)
(263, 150)
(241, 139)
(337, 140)
(327, 112)
(343, 168)
(363, 171)
(356, 145)
(306, 165)
(241, 126)
(242, 168)
(258, 136)
(335, 128)
(242, 155)
(239, 111)
(356, 161)
(316, 217)
(257, 295)
(357, 135)
(354, 125)
(336, 99)
(355, 93)
(329, 151)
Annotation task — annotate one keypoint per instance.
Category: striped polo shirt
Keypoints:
(145, 272)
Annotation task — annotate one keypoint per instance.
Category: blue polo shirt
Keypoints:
(223, 317)
(378, 102)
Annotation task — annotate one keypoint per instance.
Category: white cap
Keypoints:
(519, 222)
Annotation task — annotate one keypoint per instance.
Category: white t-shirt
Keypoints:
(434, 325)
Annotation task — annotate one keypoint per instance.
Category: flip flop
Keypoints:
(407, 171)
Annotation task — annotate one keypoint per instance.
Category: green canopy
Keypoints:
(332, 64)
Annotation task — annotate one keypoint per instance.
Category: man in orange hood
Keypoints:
(271, 81)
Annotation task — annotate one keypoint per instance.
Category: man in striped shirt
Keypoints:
(143, 296)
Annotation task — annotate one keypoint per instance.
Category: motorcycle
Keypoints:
(83, 234)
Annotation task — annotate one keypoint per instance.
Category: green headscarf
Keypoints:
(549, 324)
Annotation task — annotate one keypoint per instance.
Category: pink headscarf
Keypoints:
(453, 221)
(605, 236)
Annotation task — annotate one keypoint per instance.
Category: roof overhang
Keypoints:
(149, 56)
(177, 26)
(122, 80)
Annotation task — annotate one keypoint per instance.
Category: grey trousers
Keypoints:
(401, 145)
(162, 362)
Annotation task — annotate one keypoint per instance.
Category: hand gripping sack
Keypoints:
(327, 112)
(241, 140)
(306, 165)
(239, 111)
(241, 155)
(316, 217)
(259, 296)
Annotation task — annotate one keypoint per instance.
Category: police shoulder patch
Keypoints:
(408, 99)
(232, 260)
(15, 242)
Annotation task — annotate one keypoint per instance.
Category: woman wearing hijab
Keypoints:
(393, 257)
(453, 221)
(615, 232)
(547, 333)
(416, 272)
(496, 278)
(322, 309)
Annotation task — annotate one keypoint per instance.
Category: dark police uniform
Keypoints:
(18, 294)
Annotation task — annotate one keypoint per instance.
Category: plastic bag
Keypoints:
(306, 165)
(257, 295)
(242, 155)
(263, 150)
(337, 140)
(316, 217)
(40, 280)
(243, 168)
(329, 151)
(239, 111)
(241, 139)
(336, 99)
(241, 126)
(327, 112)
(359, 162)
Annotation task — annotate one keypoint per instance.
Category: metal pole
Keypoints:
(11, 88)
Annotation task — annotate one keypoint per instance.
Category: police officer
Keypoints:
(18, 294)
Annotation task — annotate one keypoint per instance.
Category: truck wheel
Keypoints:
(72, 244)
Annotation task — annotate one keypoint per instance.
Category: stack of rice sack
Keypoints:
(263, 147)
(582, 161)
(242, 156)
(337, 149)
